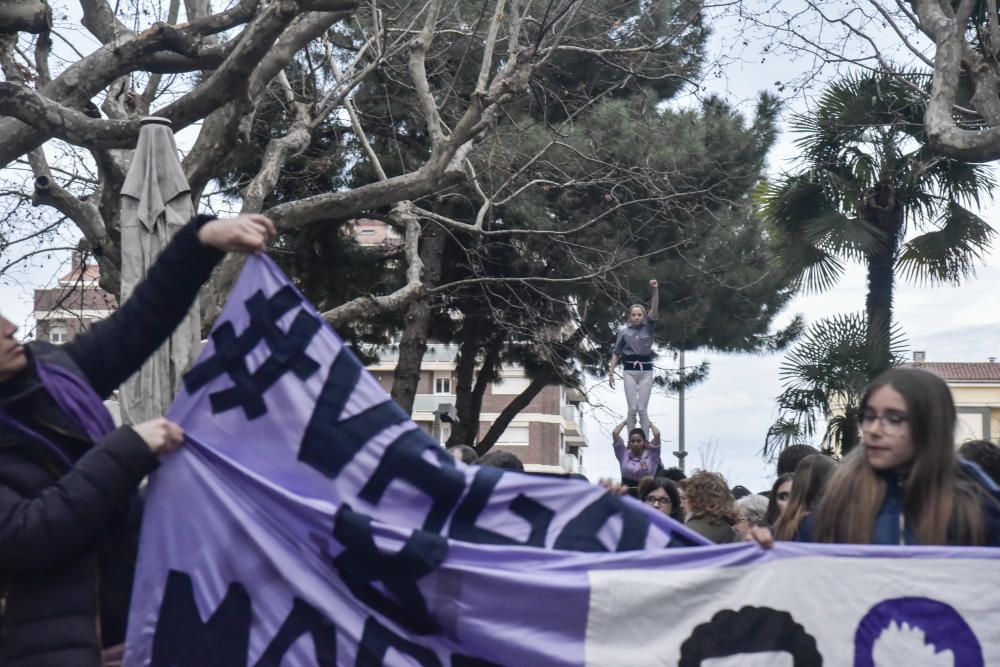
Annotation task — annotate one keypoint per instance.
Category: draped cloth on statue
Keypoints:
(156, 202)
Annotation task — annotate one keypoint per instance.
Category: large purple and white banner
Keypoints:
(309, 522)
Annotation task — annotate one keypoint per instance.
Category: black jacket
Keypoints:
(68, 533)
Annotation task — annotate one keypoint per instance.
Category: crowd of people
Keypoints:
(905, 483)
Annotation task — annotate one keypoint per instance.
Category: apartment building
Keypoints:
(547, 435)
(975, 387)
(77, 301)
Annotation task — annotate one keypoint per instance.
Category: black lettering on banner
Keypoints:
(580, 533)
(376, 640)
(302, 619)
(182, 639)
(361, 563)
(403, 460)
(330, 443)
(287, 353)
(463, 523)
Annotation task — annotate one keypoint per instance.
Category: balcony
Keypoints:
(430, 402)
(436, 352)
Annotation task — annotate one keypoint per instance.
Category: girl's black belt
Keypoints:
(638, 365)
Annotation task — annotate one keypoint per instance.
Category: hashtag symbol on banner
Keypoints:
(287, 353)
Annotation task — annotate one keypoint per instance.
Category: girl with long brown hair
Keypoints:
(905, 485)
(811, 477)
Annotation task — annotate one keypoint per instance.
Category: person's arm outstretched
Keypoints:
(654, 299)
(112, 350)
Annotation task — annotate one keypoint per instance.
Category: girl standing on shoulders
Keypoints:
(634, 347)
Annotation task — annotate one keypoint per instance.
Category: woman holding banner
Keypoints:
(634, 347)
(68, 520)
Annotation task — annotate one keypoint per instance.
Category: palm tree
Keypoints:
(824, 375)
(869, 179)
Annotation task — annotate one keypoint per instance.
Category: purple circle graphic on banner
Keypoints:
(909, 627)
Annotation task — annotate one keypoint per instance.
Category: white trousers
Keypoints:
(638, 385)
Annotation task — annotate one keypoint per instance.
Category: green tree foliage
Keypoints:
(584, 190)
(823, 377)
(868, 181)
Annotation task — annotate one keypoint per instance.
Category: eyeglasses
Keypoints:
(892, 422)
(657, 501)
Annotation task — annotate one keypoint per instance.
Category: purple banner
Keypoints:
(309, 521)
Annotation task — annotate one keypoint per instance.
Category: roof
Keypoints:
(91, 274)
(86, 298)
(962, 372)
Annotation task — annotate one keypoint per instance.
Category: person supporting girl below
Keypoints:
(634, 347)
(905, 485)
(641, 458)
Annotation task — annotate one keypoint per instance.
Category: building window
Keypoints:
(514, 436)
(442, 385)
(58, 335)
(511, 385)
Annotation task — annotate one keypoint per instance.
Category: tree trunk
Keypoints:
(546, 377)
(878, 302)
(32, 16)
(851, 434)
(469, 394)
(413, 342)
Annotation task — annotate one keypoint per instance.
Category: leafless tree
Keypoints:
(211, 67)
(957, 43)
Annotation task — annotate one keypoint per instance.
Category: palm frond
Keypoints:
(961, 182)
(949, 253)
(824, 375)
(785, 432)
(853, 109)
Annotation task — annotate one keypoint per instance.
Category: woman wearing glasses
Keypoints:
(781, 492)
(905, 485)
(661, 493)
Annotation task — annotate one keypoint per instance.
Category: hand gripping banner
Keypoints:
(309, 522)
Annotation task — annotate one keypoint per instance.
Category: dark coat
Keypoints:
(715, 530)
(69, 521)
(891, 526)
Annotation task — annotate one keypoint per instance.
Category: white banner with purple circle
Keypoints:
(308, 521)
